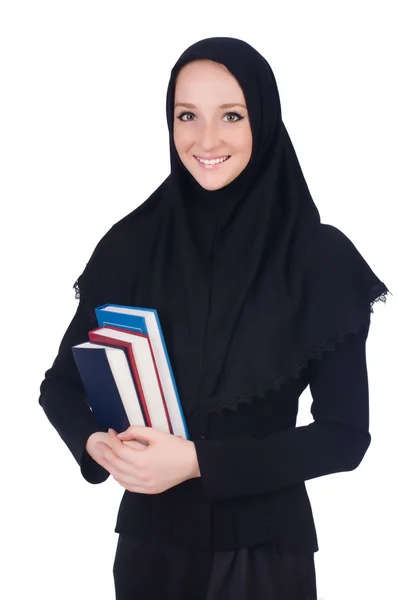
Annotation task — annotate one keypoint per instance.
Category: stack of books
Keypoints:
(126, 371)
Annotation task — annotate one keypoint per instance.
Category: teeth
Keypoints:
(215, 161)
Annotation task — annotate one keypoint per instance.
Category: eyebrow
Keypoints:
(228, 105)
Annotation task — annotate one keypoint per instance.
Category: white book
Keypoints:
(146, 321)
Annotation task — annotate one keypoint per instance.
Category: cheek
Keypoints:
(243, 149)
(182, 138)
(239, 140)
(245, 142)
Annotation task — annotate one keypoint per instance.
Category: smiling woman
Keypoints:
(213, 145)
(258, 300)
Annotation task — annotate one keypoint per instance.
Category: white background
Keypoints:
(83, 142)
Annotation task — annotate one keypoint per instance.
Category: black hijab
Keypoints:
(248, 283)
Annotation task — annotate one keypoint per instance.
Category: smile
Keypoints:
(211, 164)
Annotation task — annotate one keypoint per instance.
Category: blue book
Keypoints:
(109, 385)
(146, 321)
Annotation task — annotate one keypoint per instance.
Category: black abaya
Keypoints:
(257, 299)
(268, 572)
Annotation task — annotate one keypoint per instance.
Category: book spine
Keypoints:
(96, 337)
(101, 388)
(160, 387)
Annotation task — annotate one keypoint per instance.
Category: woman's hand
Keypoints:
(92, 446)
(166, 460)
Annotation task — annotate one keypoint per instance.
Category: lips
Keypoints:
(211, 166)
(211, 157)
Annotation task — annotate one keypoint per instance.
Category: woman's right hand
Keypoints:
(99, 436)
(93, 450)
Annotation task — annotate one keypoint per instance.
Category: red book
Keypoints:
(144, 370)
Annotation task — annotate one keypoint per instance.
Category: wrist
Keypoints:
(194, 466)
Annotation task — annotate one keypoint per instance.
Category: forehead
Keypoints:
(201, 77)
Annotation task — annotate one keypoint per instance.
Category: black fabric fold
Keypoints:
(248, 282)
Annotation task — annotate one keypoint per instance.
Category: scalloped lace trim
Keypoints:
(381, 298)
(378, 294)
(77, 291)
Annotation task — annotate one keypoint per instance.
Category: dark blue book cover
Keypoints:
(100, 386)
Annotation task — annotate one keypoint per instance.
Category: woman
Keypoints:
(258, 299)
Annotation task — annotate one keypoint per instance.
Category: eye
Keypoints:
(234, 114)
(228, 114)
(184, 115)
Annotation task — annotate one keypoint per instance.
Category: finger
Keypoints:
(135, 445)
(127, 434)
(150, 435)
(121, 471)
(117, 463)
(123, 448)
(130, 482)
(101, 460)
(139, 490)
(135, 488)
(114, 441)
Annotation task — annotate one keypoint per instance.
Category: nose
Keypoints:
(209, 137)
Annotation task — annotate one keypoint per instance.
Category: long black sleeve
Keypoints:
(335, 441)
(63, 398)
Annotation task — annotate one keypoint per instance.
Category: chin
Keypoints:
(211, 184)
(209, 187)
(212, 187)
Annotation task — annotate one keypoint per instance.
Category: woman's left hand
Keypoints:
(164, 462)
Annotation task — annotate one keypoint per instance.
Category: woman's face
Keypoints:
(205, 128)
